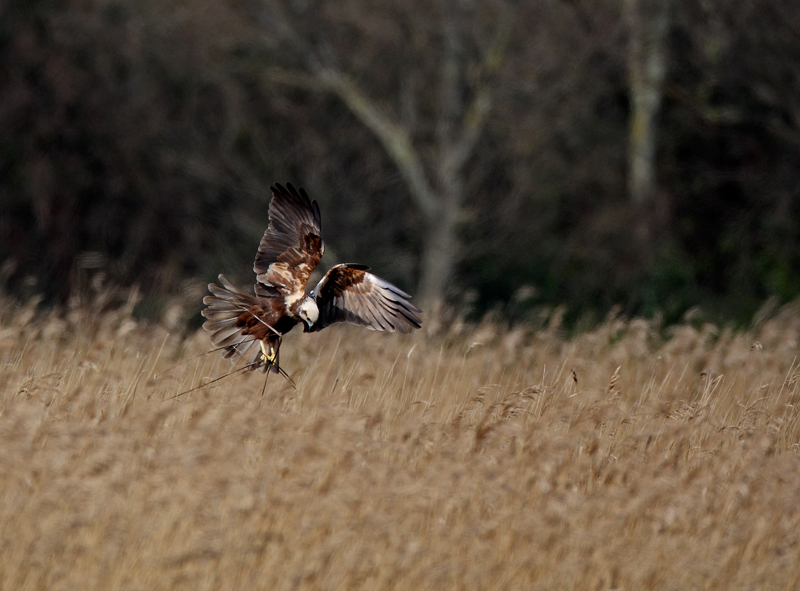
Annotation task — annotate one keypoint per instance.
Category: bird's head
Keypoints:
(308, 311)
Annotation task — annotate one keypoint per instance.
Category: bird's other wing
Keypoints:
(348, 293)
(292, 244)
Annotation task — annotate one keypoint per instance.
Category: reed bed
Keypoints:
(627, 457)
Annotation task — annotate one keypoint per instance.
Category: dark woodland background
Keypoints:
(516, 156)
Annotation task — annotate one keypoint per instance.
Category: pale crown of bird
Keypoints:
(308, 311)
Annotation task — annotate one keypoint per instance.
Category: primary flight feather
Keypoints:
(249, 326)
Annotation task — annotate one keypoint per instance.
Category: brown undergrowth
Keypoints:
(487, 459)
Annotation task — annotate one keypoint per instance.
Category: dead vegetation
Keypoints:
(492, 458)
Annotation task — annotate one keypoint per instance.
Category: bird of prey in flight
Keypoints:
(248, 327)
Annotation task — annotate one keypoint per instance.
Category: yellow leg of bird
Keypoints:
(267, 358)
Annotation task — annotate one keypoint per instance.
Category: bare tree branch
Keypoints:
(451, 91)
(393, 137)
(481, 106)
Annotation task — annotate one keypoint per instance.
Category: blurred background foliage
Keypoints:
(139, 139)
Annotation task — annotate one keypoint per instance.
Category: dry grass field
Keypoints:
(469, 461)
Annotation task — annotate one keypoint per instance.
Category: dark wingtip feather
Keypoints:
(413, 308)
(317, 215)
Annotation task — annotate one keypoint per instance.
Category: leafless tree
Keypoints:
(430, 136)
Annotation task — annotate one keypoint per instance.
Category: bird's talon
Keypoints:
(267, 358)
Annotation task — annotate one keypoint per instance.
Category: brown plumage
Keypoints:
(249, 327)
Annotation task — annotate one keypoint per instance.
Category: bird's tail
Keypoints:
(227, 314)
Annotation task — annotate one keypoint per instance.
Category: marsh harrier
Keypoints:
(249, 326)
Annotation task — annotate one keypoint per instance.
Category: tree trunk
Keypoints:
(438, 258)
(648, 22)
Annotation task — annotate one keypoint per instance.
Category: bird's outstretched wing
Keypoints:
(292, 245)
(348, 293)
